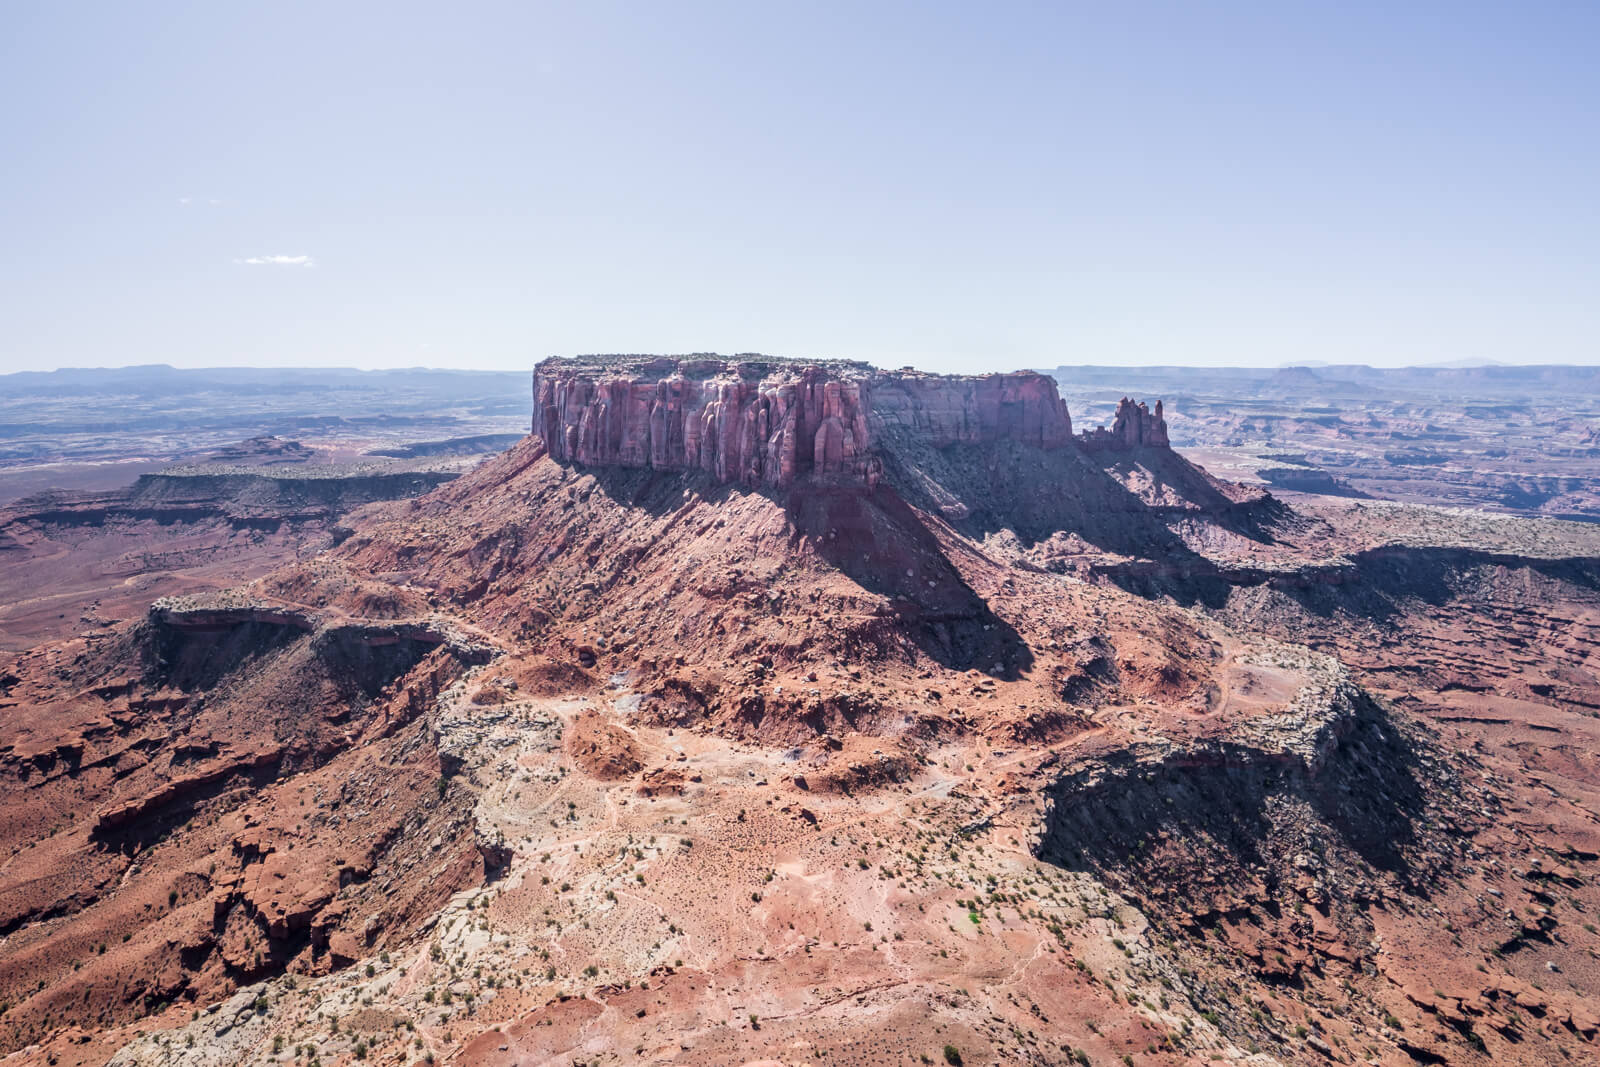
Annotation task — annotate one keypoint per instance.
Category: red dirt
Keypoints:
(1018, 750)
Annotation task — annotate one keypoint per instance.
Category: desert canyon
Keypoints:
(764, 711)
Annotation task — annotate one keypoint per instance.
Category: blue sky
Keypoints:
(959, 186)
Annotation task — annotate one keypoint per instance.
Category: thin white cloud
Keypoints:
(277, 261)
(184, 199)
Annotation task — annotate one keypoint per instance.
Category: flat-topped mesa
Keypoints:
(764, 421)
(1135, 426)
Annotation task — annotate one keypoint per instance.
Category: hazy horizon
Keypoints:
(961, 189)
(332, 368)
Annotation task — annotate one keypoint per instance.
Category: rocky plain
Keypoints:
(763, 711)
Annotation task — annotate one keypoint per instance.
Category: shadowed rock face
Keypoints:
(768, 422)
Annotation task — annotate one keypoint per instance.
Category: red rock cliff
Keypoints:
(765, 421)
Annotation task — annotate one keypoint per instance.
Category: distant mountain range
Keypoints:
(160, 379)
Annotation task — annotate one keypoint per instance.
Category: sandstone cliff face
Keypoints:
(756, 423)
(768, 422)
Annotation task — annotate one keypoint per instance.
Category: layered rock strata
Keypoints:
(762, 421)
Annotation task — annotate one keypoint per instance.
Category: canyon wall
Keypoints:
(764, 421)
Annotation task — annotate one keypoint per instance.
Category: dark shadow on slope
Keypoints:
(982, 489)
(1192, 827)
(654, 492)
(1178, 488)
(196, 660)
(1005, 485)
(1038, 494)
(199, 659)
(1195, 582)
(1312, 480)
(1378, 585)
(872, 537)
(1385, 583)
(366, 664)
(884, 546)
(1438, 576)
(132, 830)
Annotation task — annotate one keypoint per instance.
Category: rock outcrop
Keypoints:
(1135, 426)
(199, 614)
(763, 421)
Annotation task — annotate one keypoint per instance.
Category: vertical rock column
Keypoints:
(768, 423)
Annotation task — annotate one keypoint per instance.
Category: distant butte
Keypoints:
(760, 420)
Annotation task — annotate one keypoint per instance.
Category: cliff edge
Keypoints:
(763, 421)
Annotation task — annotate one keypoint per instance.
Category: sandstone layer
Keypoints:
(762, 421)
